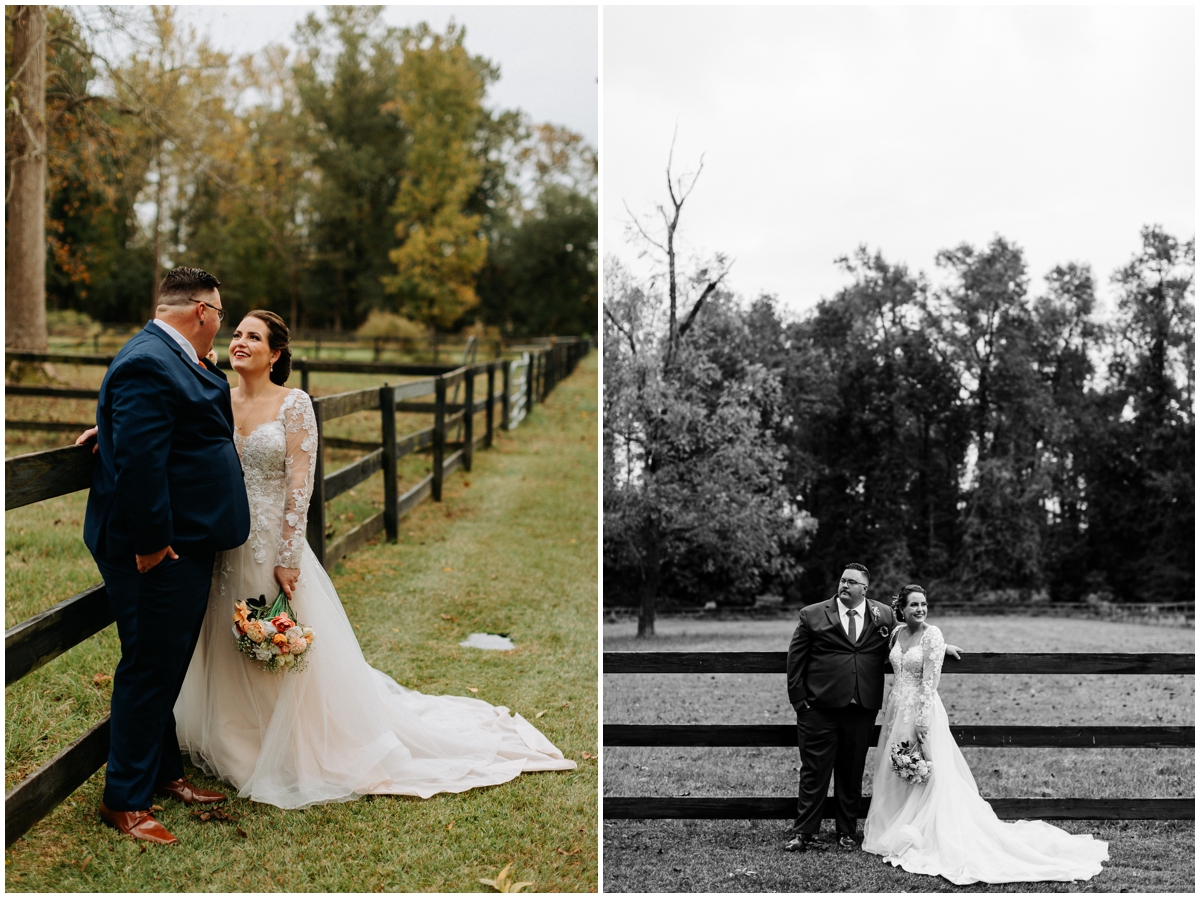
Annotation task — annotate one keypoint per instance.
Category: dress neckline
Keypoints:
(275, 420)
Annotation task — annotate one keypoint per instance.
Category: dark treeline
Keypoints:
(975, 438)
(362, 172)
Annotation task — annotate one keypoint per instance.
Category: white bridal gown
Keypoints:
(944, 828)
(339, 729)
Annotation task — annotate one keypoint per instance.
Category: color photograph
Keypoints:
(301, 426)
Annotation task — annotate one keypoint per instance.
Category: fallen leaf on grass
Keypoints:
(569, 853)
(503, 884)
(565, 705)
(538, 714)
(447, 569)
(587, 756)
(449, 826)
(215, 814)
(156, 807)
(449, 617)
(87, 860)
(241, 832)
(101, 678)
(472, 689)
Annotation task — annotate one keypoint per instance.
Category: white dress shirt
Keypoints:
(179, 338)
(860, 614)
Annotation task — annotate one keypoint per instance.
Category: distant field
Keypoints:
(991, 700)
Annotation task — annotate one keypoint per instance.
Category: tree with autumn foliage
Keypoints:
(439, 97)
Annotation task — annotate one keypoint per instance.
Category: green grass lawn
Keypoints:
(672, 855)
(512, 549)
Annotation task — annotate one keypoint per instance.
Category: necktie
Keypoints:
(850, 615)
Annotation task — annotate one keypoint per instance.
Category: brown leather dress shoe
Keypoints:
(139, 824)
(182, 790)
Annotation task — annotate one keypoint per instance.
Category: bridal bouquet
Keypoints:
(271, 636)
(910, 765)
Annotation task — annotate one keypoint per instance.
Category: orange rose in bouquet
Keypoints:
(271, 636)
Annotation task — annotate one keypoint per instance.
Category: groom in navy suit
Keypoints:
(167, 495)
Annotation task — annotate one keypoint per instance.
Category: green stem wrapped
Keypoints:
(281, 606)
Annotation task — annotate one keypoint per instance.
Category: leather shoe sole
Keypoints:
(182, 790)
(139, 824)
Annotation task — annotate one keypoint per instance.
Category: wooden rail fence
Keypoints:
(56, 472)
(773, 807)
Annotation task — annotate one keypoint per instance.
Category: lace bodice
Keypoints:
(917, 672)
(279, 460)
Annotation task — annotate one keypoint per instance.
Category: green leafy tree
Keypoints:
(346, 76)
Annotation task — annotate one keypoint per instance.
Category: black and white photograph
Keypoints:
(898, 538)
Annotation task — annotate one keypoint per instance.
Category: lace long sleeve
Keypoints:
(300, 429)
(931, 673)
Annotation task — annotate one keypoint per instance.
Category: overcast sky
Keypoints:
(911, 130)
(547, 54)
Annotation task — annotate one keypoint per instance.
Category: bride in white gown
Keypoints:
(339, 729)
(944, 828)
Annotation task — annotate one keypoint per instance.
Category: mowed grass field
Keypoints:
(511, 549)
(744, 855)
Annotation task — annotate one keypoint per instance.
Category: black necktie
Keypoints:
(854, 640)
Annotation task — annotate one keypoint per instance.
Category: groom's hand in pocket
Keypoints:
(147, 563)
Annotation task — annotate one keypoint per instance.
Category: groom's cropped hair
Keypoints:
(182, 285)
(855, 566)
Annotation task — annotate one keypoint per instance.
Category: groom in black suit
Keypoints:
(835, 683)
(167, 494)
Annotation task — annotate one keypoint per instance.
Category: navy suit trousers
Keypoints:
(159, 614)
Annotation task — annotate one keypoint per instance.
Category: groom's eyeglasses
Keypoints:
(220, 312)
(846, 582)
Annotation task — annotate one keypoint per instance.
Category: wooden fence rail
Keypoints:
(56, 472)
(784, 735)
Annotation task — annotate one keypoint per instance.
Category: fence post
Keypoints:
(491, 402)
(316, 504)
(506, 395)
(304, 377)
(377, 342)
(387, 412)
(529, 379)
(468, 418)
(439, 436)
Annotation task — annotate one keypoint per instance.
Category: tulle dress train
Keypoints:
(944, 828)
(339, 729)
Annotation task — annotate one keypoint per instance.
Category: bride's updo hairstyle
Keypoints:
(279, 338)
(900, 599)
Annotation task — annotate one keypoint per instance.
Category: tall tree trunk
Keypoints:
(25, 208)
(650, 578)
(158, 210)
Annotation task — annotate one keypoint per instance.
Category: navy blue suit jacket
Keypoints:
(167, 473)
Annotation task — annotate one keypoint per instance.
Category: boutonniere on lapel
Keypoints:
(883, 631)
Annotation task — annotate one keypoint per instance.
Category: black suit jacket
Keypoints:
(824, 666)
(167, 473)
